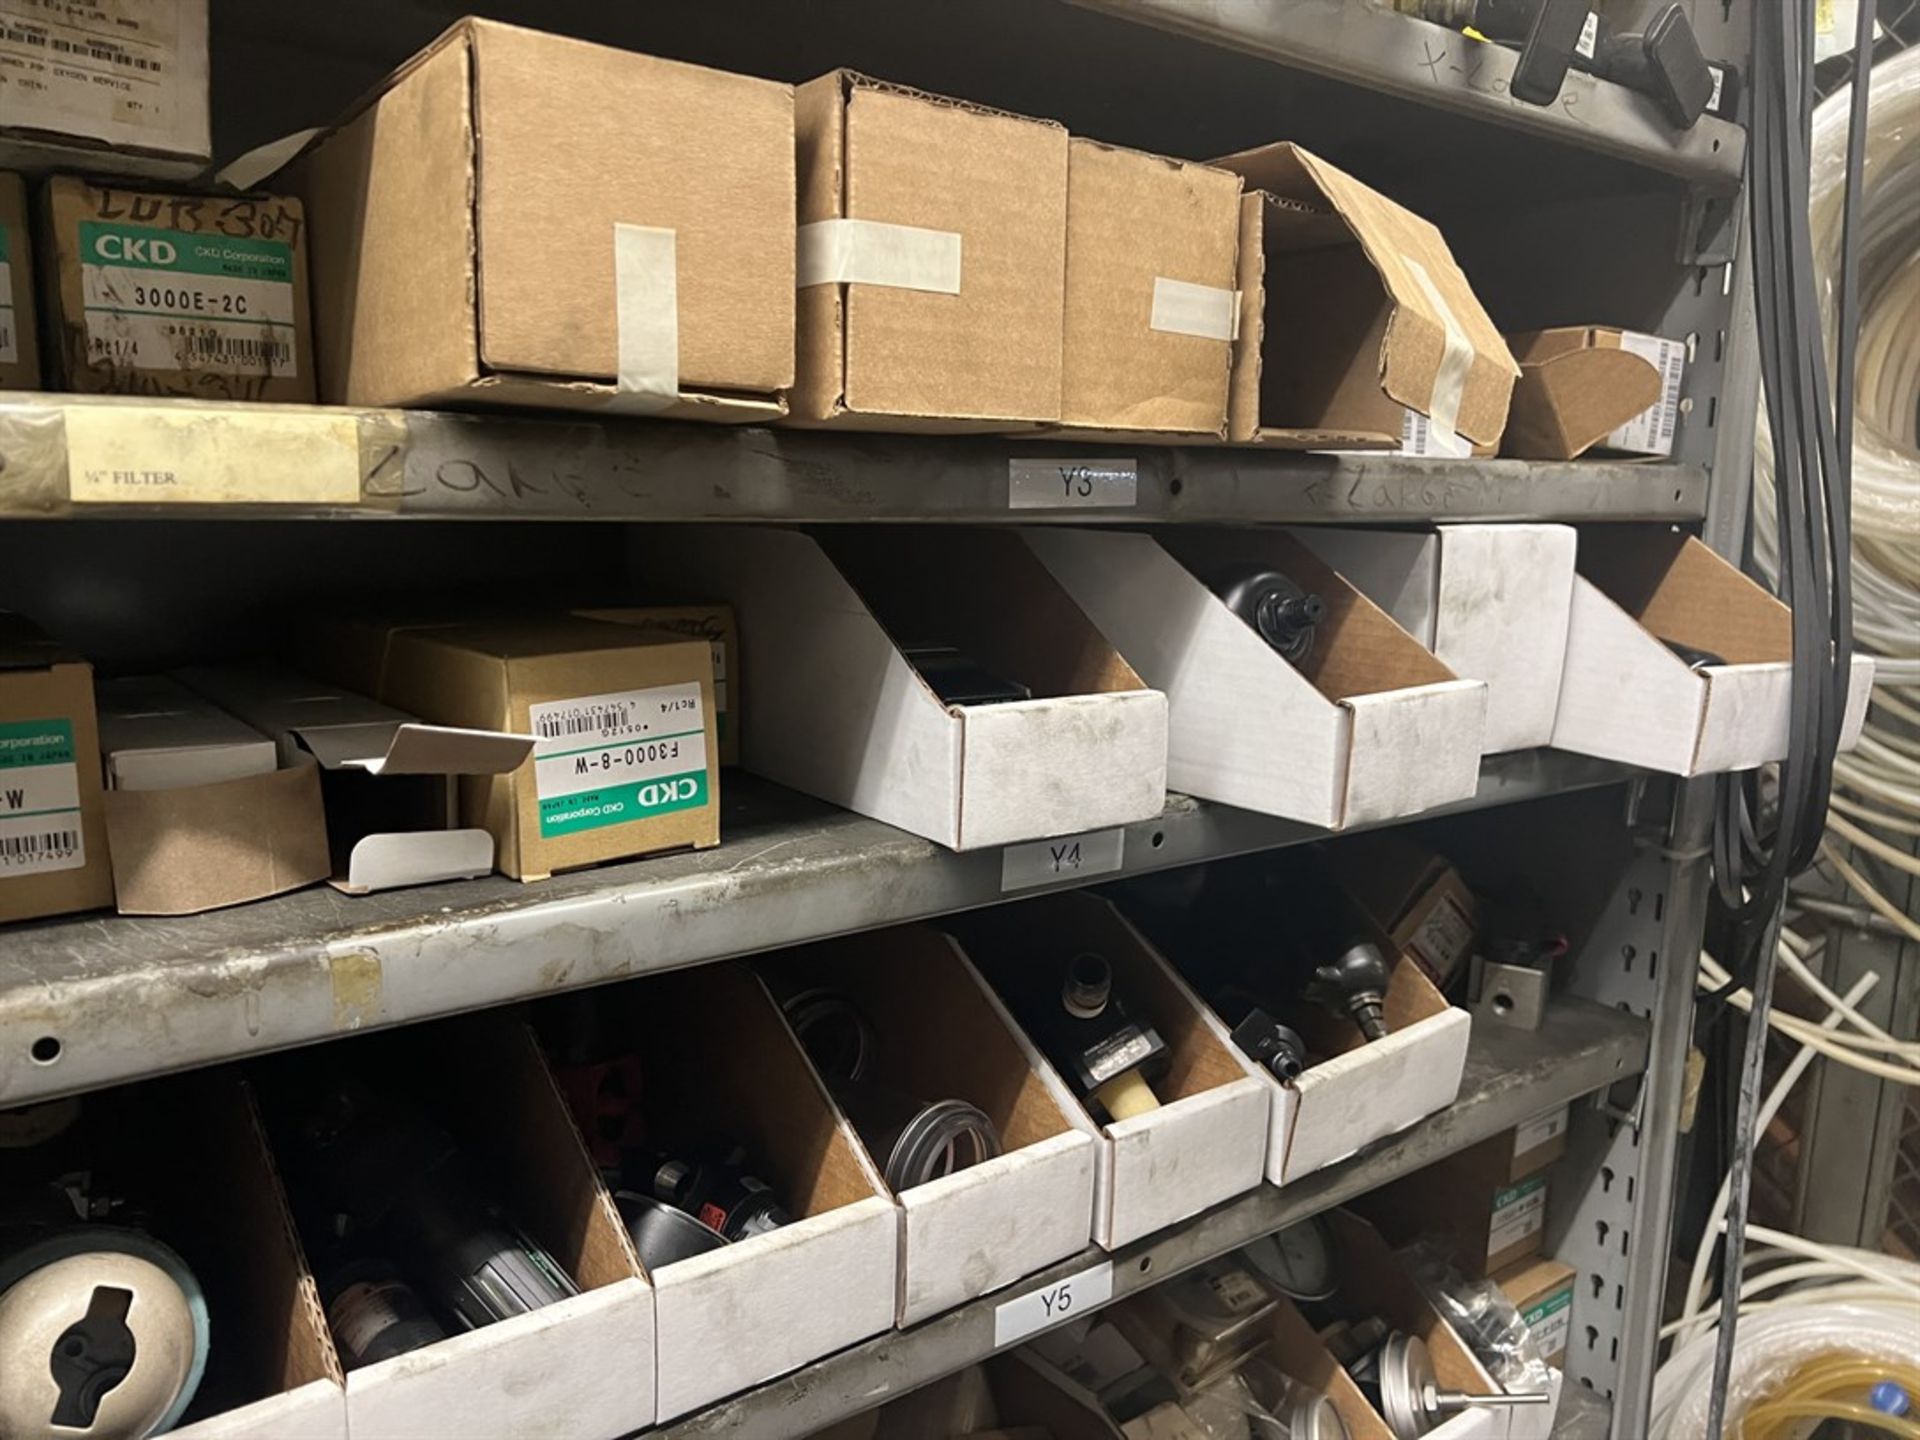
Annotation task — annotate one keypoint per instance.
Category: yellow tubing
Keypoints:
(1825, 1388)
(1126, 1096)
(1774, 1413)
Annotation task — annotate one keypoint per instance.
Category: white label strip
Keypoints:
(1539, 1130)
(149, 455)
(872, 252)
(1589, 36)
(1419, 437)
(1072, 484)
(1183, 308)
(1651, 431)
(1450, 380)
(646, 299)
(1066, 857)
(1051, 1305)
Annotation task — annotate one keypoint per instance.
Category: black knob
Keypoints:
(1355, 985)
(1265, 1041)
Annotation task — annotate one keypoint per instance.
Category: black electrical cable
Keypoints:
(1811, 425)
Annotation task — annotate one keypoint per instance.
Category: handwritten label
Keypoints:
(1066, 857)
(1072, 484)
(1053, 1304)
(150, 455)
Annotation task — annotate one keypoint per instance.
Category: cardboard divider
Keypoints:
(484, 1078)
(1299, 1353)
(937, 1036)
(721, 1067)
(1208, 1139)
(840, 712)
(1371, 726)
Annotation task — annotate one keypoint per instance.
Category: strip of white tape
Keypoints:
(872, 252)
(646, 299)
(1182, 308)
(1450, 380)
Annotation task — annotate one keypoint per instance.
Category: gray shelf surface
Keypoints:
(438, 465)
(112, 998)
(1380, 49)
(1511, 1076)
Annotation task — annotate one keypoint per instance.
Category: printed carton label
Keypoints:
(1651, 431)
(109, 69)
(614, 759)
(39, 799)
(1551, 1321)
(1518, 1212)
(1442, 939)
(1539, 1130)
(1422, 439)
(158, 299)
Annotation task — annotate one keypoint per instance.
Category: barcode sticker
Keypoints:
(1421, 438)
(119, 71)
(39, 799)
(1589, 36)
(613, 759)
(1651, 431)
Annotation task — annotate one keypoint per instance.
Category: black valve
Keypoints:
(1662, 62)
(1280, 611)
(1266, 1042)
(1355, 985)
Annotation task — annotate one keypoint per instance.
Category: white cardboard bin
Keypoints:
(1208, 1140)
(839, 712)
(939, 1035)
(1626, 695)
(1372, 727)
(1491, 601)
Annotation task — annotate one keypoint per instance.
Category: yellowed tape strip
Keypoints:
(1181, 307)
(1450, 380)
(872, 252)
(646, 298)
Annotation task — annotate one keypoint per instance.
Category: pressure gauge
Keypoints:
(1297, 1260)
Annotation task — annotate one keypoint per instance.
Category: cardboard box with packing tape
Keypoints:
(19, 332)
(1592, 387)
(622, 242)
(932, 260)
(1352, 313)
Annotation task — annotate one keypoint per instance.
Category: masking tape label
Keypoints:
(1066, 857)
(1183, 308)
(1651, 431)
(646, 298)
(1053, 1304)
(872, 252)
(150, 455)
(1456, 360)
(39, 799)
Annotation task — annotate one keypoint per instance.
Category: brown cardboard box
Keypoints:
(19, 334)
(949, 315)
(53, 834)
(711, 623)
(624, 759)
(151, 293)
(1586, 386)
(105, 86)
(1418, 901)
(1467, 1200)
(1541, 1289)
(1151, 244)
(622, 239)
(1352, 311)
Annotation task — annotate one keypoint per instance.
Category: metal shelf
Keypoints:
(433, 465)
(1372, 46)
(1511, 1076)
(95, 1000)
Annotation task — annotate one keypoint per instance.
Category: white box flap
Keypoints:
(389, 860)
(1034, 768)
(1505, 593)
(1399, 570)
(417, 749)
(1413, 749)
(1859, 691)
(1351, 1100)
(1623, 694)
(316, 1410)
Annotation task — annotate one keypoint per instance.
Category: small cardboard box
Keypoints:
(1492, 601)
(932, 265)
(1413, 897)
(622, 240)
(1626, 695)
(624, 755)
(1370, 727)
(1150, 304)
(386, 780)
(719, 1061)
(19, 334)
(1208, 1140)
(1584, 387)
(937, 1036)
(105, 87)
(1539, 1142)
(1488, 1221)
(199, 812)
(53, 831)
(1352, 311)
(1541, 1289)
(583, 1365)
(711, 623)
(202, 296)
(840, 712)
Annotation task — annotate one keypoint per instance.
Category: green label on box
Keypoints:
(39, 798)
(1552, 1305)
(618, 804)
(147, 247)
(36, 742)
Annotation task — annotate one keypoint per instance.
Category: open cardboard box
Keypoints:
(1208, 1140)
(838, 711)
(582, 1366)
(1371, 727)
(1491, 601)
(199, 814)
(1588, 386)
(939, 1035)
(189, 1157)
(386, 779)
(720, 1064)
(1625, 695)
(1352, 312)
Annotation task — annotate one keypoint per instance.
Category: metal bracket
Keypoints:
(1710, 227)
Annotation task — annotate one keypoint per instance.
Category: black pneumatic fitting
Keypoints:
(1355, 985)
